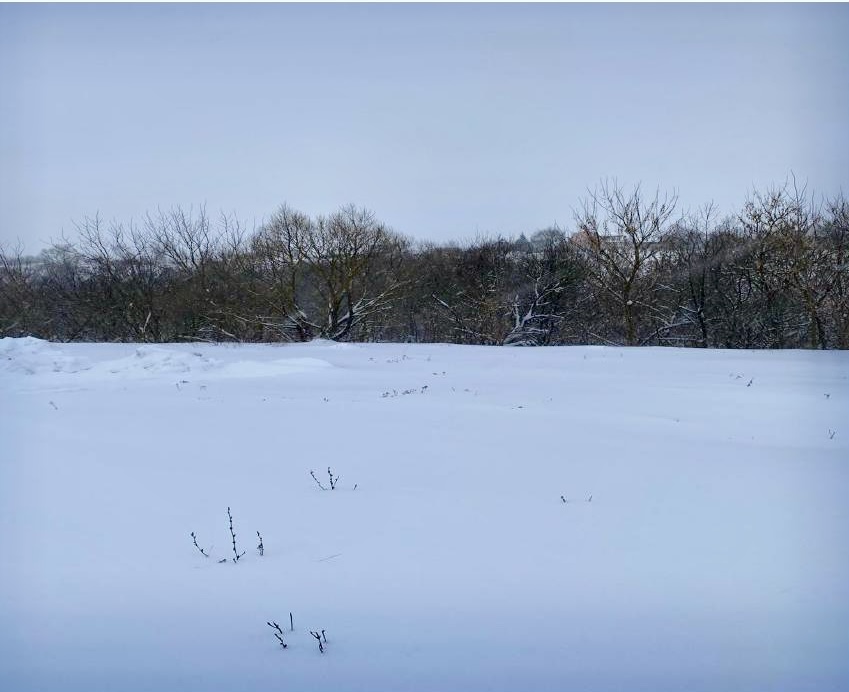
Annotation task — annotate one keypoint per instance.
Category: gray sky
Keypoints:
(447, 120)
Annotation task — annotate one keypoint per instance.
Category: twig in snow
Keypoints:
(318, 639)
(195, 541)
(563, 499)
(279, 634)
(260, 547)
(317, 482)
(233, 534)
(55, 407)
(831, 434)
(291, 623)
(590, 498)
(333, 479)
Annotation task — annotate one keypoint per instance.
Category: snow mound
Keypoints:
(284, 366)
(332, 345)
(30, 356)
(156, 360)
(148, 361)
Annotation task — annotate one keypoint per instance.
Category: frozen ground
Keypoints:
(714, 554)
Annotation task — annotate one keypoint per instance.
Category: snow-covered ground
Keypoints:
(713, 555)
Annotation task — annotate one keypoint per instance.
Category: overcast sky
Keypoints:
(448, 120)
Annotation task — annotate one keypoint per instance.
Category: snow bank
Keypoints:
(285, 366)
(150, 361)
(31, 356)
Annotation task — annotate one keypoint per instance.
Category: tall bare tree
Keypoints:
(623, 235)
(330, 275)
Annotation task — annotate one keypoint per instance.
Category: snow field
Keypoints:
(713, 555)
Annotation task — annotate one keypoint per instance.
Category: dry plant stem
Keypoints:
(318, 639)
(279, 633)
(195, 541)
(317, 482)
(260, 547)
(333, 479)
(233, 534)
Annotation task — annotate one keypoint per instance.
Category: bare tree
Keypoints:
(548, 273)
(201, 256)
(478, 298)
(835, 238)
(17, 293)
(128, 277)
(689, 242)
(623, 235)
(331, 275)
(793, 266)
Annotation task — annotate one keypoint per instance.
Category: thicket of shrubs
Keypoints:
(631, 271)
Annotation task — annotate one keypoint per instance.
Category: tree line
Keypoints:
(630, 271)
